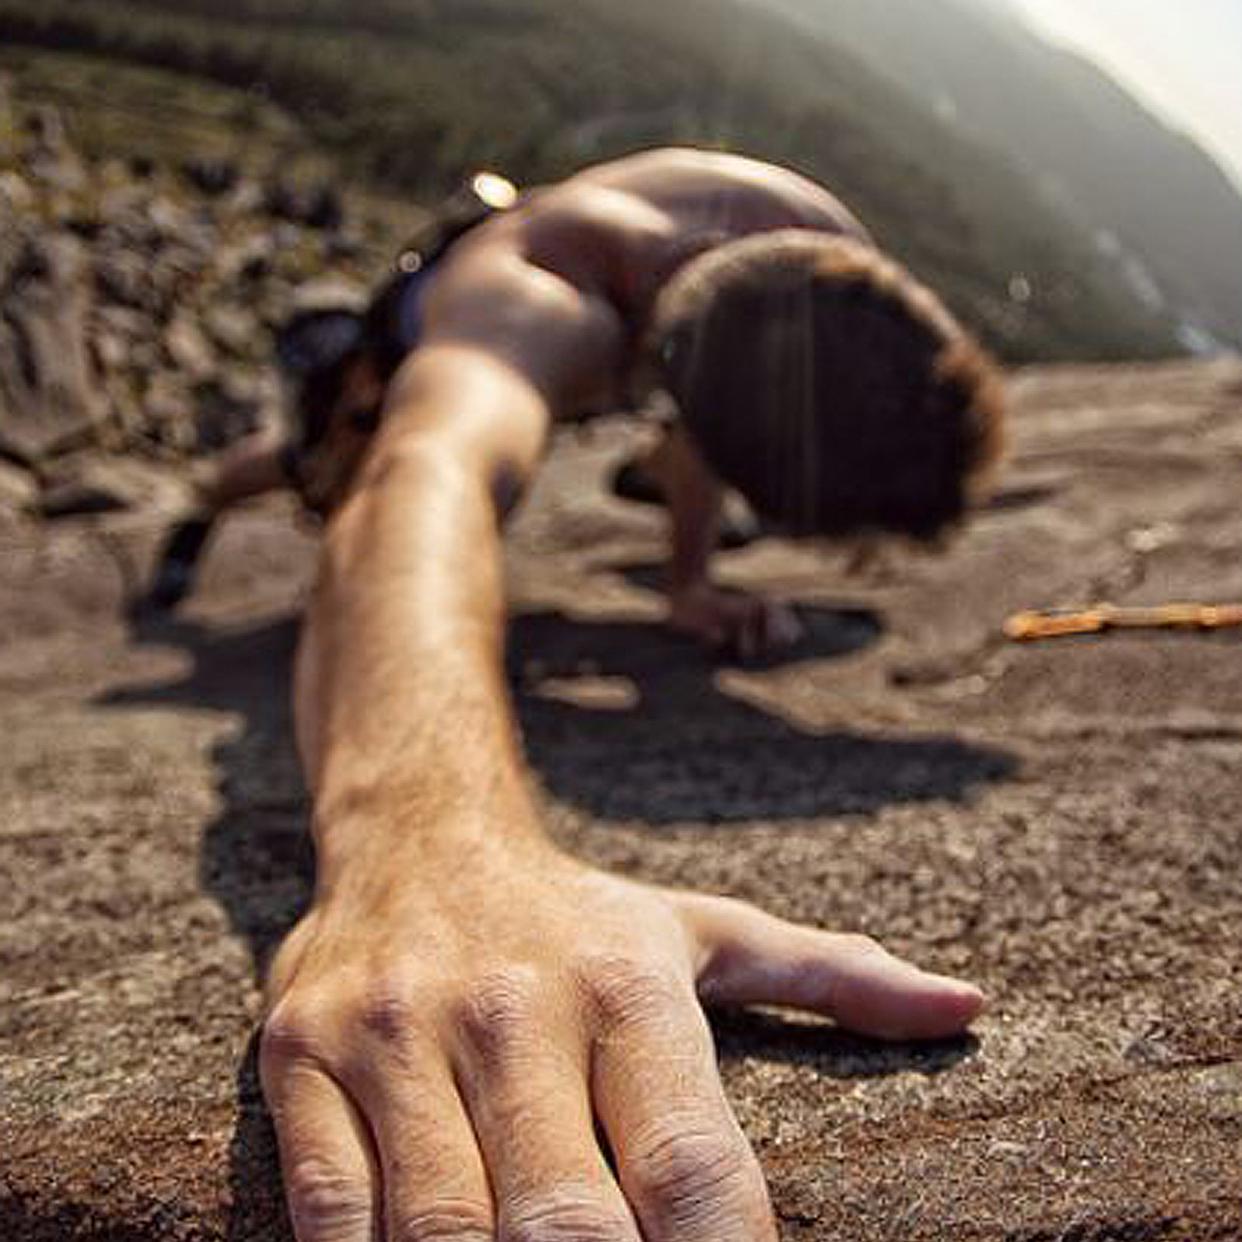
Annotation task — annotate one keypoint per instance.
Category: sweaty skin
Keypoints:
(471, 1035)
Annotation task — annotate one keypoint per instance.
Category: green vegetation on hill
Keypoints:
(123, 109)
(415, 92)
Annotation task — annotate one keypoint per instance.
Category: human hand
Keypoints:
(518, 1052)
(733, 622)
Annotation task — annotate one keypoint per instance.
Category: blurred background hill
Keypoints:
(1008, 174)
(1149, 194)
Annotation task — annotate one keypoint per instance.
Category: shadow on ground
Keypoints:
(256, 858)
(631, 723)
(830, 1052)
(681, 751)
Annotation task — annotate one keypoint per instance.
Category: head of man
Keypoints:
(827, 385)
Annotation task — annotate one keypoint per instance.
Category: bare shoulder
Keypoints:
(562, 335)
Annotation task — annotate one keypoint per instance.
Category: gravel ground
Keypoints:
(1058, 822)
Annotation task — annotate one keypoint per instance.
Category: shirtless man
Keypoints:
(470, 1035)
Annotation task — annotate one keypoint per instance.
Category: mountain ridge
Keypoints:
(432, 89)
(1076, 128)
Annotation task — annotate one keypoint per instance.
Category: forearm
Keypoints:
(746, 624)
(401, 708)
(249, 468)
(695, 499)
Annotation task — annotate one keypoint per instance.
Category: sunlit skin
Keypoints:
(467, 1016)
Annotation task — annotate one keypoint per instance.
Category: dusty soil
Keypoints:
(1059, 822)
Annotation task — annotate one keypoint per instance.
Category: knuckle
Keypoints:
(692, 1170)
(324, 1202)
(722, 912)
(389, 1014)
(394, 1003)
(495, 1018)
(290, 1033)
(449, 1220)
(284, 964)
(627, 992)
(857, 943)
(561, 1216)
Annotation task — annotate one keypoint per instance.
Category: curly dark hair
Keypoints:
(826, 384)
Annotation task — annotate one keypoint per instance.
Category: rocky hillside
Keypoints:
(414, 93)
(136, 308)
(1058, 822)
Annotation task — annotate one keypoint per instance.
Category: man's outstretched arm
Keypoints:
(465, 1010)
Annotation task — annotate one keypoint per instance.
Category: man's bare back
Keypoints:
(612, 237)
(588, 258)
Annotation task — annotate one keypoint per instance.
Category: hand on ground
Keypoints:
(733, 622)
(520, 1054)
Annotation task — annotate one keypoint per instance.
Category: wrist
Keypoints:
(371, 857)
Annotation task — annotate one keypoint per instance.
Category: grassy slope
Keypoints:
(121, 110)
(417, 92)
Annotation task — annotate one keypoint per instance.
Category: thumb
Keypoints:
(748, 957)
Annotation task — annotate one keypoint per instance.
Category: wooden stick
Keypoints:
(1032, 626)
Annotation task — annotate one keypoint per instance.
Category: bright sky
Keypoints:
(1184, 57)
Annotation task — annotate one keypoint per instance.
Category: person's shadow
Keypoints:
(631, 723)
(256, 858)
(673, 748)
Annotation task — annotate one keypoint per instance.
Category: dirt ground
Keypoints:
(1059, 822)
